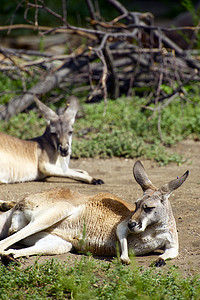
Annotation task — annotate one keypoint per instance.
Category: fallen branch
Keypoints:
(50, 82)
(132, 53)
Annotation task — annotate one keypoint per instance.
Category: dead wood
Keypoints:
(116, 57)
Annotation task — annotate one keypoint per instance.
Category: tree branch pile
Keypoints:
(128, 51)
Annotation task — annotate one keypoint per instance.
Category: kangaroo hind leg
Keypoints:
(39, 221)
(41, 243)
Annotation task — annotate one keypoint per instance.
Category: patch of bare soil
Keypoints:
(117, 174)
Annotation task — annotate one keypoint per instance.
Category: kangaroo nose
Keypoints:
(63, 151)
(131, 225)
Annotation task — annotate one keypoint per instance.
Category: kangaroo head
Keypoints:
(153, 207)
(60, 127)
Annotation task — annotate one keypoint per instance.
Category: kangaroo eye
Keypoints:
(148, 209)
(70, 132)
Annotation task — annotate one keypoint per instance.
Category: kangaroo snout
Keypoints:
(131, 225)
(135, 226)
(63, 151)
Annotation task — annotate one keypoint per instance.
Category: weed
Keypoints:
(88, 278)
(125, 130)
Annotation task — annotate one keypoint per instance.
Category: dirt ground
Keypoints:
(117, 174)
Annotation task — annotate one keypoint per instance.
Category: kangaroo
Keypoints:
(58, 220)
(46, 155)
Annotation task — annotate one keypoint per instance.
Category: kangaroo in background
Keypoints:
(46, 155)
(58, 220)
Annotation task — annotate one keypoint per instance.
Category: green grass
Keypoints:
(123, 131)
(10, 87)
(93, 279)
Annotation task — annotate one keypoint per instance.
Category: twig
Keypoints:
(42, 87)
(159, 127)
(128, 51)
(105, 51)
(22, 68)
(64, 8)
(103, 80)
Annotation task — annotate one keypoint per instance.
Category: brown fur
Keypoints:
(43, 156)
(53, 221)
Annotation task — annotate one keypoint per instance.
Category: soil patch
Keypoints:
(117, 174)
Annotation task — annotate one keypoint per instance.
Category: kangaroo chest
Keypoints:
(148, 241)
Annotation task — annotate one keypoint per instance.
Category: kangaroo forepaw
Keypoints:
(160, 262)
(125, 261)
(97, 181)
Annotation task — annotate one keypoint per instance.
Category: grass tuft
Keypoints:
(124, 131)
(91, 279)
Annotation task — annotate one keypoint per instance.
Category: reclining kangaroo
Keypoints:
(46, 155)
(57, 220)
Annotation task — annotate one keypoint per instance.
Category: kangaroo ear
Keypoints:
(141, 177)
(168, 188)
(72, 108)
(47, 112)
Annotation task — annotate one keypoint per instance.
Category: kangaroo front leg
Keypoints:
(63, 162)
(122, 233)
(169, 253)
(82, 176)
(55, 170)
(41, 243)
(80, 171)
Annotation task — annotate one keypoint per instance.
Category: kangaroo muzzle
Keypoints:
(63, 151)
(131, 225)
(134, 227)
